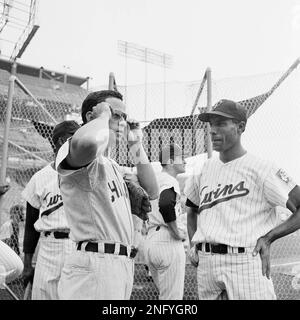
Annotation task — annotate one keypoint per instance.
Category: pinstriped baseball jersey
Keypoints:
(236, 199)
(165, 181)
(96, 201)
(42, 192)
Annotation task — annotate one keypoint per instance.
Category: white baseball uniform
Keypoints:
(236, 201)
(42, 192)
(11, 265)
(98, 210)
(165, 254)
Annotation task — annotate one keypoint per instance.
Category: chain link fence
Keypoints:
(165, 117)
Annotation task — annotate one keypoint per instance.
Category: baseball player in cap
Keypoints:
(232, 220)
(165, 254)
(11, 265)
(96, 201)
(46, 221)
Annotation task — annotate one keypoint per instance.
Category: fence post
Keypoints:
(209, 105)
(6, 129)
(6, 133)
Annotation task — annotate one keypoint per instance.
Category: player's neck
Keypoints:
(233, 153)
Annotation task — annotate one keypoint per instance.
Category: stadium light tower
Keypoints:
(146, 55)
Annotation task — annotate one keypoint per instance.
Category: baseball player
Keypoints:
(165, 250)
(46, 221)
(96, 201)
(231, 216)
(11, 228)
(11, 265)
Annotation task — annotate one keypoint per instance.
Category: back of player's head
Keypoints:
(97, 97)
(169, 152)
(63, 131)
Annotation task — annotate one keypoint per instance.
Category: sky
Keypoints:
(232, 37)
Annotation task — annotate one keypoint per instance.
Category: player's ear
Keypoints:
(241, 126)
(89, 116)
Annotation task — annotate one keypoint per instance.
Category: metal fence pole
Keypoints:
(6, 129)
(209, 105)
(6, 133)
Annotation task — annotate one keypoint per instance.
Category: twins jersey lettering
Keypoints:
(42, 192)
(237, 199)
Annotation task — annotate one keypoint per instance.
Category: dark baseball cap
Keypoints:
(226, 108)
(63, 128)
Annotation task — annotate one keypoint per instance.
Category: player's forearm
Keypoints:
(28, 260)
(88, 141)
(191, 222)
(291, 225)
(145, 172)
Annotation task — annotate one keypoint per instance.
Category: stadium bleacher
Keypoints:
(59, 94)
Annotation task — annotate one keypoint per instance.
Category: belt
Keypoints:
(219, 248)
(57, 234)
(108, 248)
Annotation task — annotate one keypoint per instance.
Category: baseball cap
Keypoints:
(63, 128)
(170, 151)
(226, 108)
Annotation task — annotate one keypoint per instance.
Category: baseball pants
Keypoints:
(96, 276)
(51, 256)
(166, 262)
(233, 276)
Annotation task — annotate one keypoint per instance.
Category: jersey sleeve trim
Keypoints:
(166, 204)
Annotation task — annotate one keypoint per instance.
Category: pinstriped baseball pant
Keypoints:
(11, 265)
(166, 262)
(50, 260)
(232, 276)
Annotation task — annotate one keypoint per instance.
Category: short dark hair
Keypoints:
(63, 130)
(97, 97)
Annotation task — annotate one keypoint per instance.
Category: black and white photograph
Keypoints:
(149, 153)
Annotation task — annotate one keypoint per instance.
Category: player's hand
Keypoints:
(101, 108)
(134, 132)
(27, 274)
(263, 248)
(193, 256)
